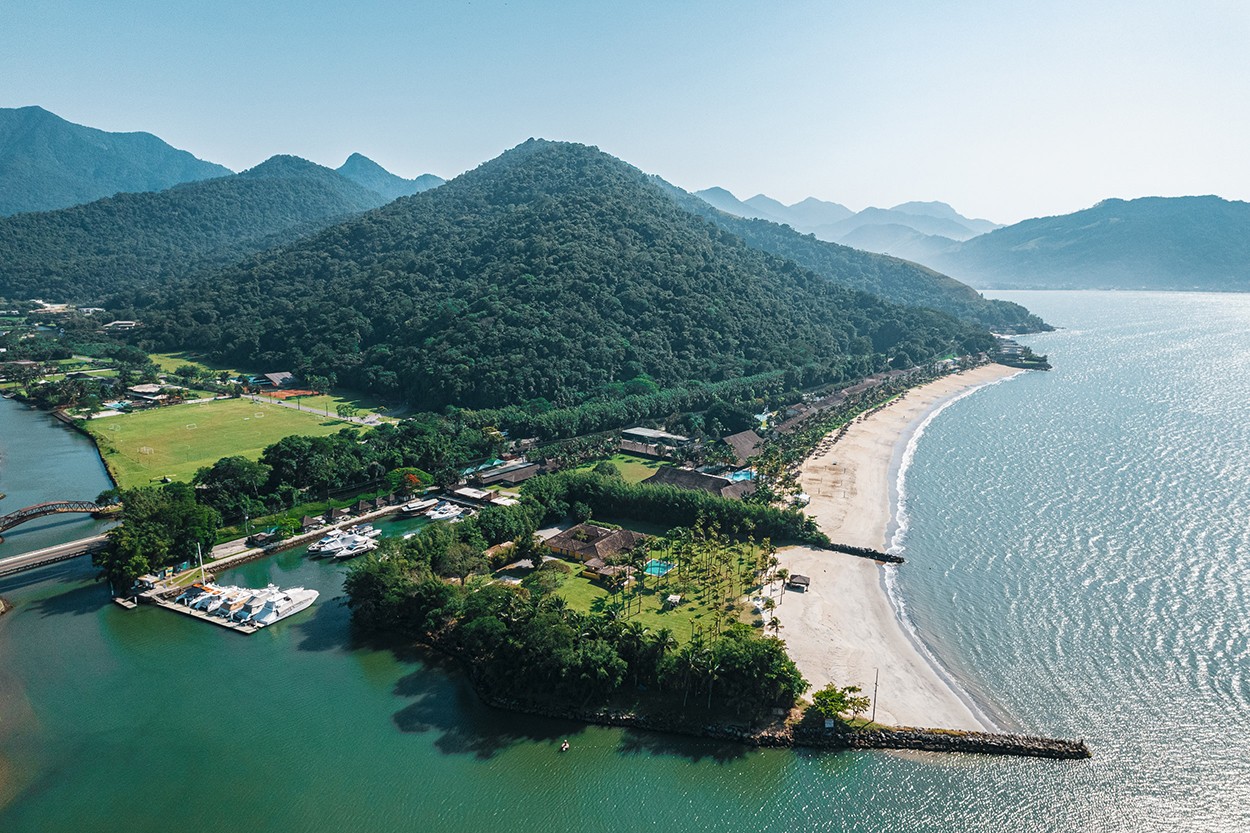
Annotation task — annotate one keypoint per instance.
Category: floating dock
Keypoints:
(237, 627)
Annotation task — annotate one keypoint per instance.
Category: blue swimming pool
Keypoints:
(744, 474)
(655, 567)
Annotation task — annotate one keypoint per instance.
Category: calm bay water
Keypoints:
(1077, 553)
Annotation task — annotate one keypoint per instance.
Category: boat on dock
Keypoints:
(328, 544)
(417, 507)
(444, 512)
(365, 530)
(355, 545)
(282, 604)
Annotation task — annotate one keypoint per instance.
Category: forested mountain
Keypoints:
(1149, 243)
(365, 172)
(123, 244)
(542, 276)
(47, 162)
(894, 280)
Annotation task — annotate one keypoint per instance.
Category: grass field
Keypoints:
(634, 469)
(175, 441)
(587, 596)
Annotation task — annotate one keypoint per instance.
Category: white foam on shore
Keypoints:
(900, 522)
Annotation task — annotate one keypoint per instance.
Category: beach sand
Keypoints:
(844, 628)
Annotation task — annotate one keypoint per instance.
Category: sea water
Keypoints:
(1077, 557)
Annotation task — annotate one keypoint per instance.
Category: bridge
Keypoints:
(50, 555)
(55, 507)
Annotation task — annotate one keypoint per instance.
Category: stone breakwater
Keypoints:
(786, 735)
(868, 552)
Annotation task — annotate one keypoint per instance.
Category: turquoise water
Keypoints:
(42, 460)
(1077, 553)
(655, 567)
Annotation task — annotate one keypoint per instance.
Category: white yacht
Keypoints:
(191, 594)
(418, 507)
(254, 604)
(445, 512)
(355, 545)
(327, 544)
(232, 601)
(365, 530)
(282, 604)
(213, 598)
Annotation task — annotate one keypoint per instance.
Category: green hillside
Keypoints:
(894, 280)
(547, 274)
(47, 162)
(1149, 243)
(122, 244)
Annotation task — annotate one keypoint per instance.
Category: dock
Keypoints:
(237, 627)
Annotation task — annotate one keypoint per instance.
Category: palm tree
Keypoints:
(782, 575)
(774, 624)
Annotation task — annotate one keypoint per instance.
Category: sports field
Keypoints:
(175, 441)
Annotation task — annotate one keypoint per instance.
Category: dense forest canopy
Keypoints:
(551, 272)
(122, 245)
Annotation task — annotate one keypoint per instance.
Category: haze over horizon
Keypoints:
(1005, 111)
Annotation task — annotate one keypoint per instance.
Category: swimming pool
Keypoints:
(655, 567)
(743, 474)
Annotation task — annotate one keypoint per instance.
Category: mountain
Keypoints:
(811, 212)
(47, 162)
(923, 223)
(898, 241)
(545, 276)
(129, 242)
(803, 216)
(727, 202)
(365, 172)
(1148, 243)
(944, 211)
(889, 278)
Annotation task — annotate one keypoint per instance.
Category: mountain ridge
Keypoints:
(47, 162)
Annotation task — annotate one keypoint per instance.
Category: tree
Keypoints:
(161, 526)
(832, 701)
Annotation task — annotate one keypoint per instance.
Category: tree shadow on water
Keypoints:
(329, 628)
(446, 703)
(76, 601)
(642, 742)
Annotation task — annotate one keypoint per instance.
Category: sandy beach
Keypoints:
(844, 628)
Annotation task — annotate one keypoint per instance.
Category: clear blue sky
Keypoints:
(1004, 109)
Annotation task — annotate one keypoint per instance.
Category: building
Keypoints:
(652, 436)
(798, 582)
(282, 379)
(509, 474)
(745, 445)
(472, 495)
(698, 481)
(118, 326)
(590, 541)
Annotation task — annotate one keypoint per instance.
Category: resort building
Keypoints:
(652, 436)
(588, 541)
(697, 480)
(745, 445)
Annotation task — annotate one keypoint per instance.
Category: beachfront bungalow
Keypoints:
(588, 541)
(744, 445)
(799, 583)
(338, 515)
(309, 523)
(698, 481)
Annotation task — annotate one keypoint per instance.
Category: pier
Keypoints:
(168, 604)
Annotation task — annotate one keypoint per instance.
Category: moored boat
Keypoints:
(284, 603)
(417, 507)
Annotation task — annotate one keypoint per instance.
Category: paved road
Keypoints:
(48, 555)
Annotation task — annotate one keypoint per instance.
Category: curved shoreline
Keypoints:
(896, 535)
(851, 628)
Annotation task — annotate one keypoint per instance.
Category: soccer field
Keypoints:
(175, 441)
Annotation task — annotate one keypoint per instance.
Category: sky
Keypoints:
(1006, 110)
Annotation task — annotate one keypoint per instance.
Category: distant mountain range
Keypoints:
(1149, 243)
(836, 223)
(48, 163)
(364, 171)
(127, 243)
(1197, 243)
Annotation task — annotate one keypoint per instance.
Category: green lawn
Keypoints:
(587, 596)
(634, 469)
(177, 440)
